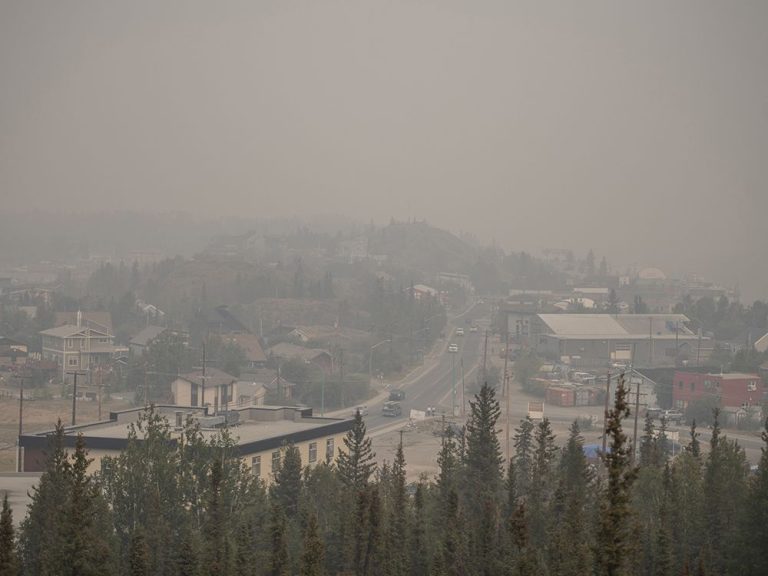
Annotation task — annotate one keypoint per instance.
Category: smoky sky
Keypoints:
(638, 129)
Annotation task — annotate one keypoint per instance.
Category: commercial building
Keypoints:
(733, 389)
(599, 340)
(262, 433)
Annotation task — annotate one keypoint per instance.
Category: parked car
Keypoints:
(392, 409)
(397, 395)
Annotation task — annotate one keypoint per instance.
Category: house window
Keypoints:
(680, 385)
(752, 386)
(312, 452)
(256, 466)
(72, 361)
(275, 461)
(693, 386)
(329, 450)
(193, 398)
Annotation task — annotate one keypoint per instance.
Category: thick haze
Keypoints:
(639, 129)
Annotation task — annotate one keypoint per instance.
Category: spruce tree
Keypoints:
(755, 527)
(356, 462)
(419, 555)
(9, 561)
(42, 538)
(138, 563)
(614, 544)
(288, 481)
(397, 526)
(483, 461)
(313, 553)
(542, 487)
(523, 459)
(279, 562)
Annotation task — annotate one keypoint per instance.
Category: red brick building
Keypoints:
(735, 390)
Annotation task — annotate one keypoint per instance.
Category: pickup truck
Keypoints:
(391, 409)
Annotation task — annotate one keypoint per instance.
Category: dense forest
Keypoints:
(193, 508)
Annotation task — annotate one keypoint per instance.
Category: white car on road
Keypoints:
(453, 348)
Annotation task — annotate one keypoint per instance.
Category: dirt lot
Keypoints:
(42, 415)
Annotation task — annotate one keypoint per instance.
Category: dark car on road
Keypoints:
(397, 395)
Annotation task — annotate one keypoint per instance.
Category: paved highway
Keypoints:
(433, 386)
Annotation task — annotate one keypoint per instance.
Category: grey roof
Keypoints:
(148, 334)
(69, 330)
(213, 377)
(590, 326)
(287, 350)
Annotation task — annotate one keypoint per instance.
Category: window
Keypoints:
(256, 466)
(693, 386)
(752, 386)
(312, 452)
(193, 395)
(72, 361)
(329, 450)
(275, 461)
(680, 385)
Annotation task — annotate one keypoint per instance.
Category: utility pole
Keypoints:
(453, 384)
(650, 342)
(100, 385)
(202, 395)
(341, 378)
(605, 417)
(322, 396)
(637, 411)
(505, 383)
(463, 396)
(19, 463)
(74, 394)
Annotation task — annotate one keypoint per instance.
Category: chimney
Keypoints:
(79, 318)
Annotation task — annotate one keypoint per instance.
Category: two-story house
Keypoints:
(78, 347)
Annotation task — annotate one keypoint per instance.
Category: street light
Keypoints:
(370, 359)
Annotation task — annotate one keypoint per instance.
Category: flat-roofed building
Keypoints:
(599, 340)
(261, 432)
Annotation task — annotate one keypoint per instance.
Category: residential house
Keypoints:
(97, 319)
(251, 345)
(315, 356)
(141, 341)
(79, 347)
(12, 352)
(214, 388)
(255, 386)
(761, 344)
(262, 434)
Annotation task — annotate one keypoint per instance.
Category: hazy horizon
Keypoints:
(636, 129)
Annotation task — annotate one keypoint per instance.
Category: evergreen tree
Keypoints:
(542, 482)
(419, 555)
(483, 474)
(693, 445)
(614, 544)
(569, 549)
(356, 463)
(452, 557)
(42, 538)
(215, 525)
(448, 469)
(523, 558)
(138, 564)
(397, 527)
(88, 529)
(279, 562)
(523, 459)
(313, 554)
(288, 481)
(755, 527)
(725, 494)
(9, 562)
